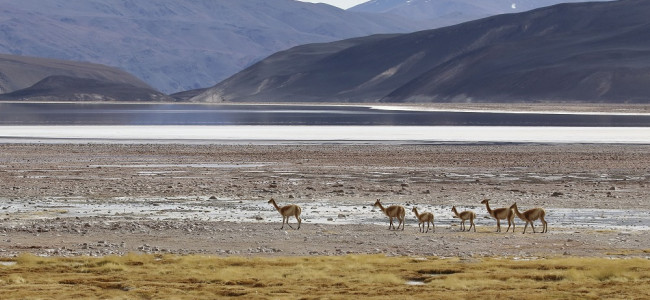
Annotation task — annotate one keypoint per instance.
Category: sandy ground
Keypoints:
(82, 199)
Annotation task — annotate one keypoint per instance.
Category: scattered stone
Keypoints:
(179, 220)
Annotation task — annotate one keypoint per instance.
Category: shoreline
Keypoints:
(293, 134)
(599, 108)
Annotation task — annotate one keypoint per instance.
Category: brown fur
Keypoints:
(424, 217)
(503, 213)
(393, 211)
(286, 212)
(464, 216)
(530, 216)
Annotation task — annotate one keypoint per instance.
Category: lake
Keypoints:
(290, 124)
(330, 115)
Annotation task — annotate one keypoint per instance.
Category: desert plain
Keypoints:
(113, 199)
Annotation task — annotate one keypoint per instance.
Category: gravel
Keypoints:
(69, 200)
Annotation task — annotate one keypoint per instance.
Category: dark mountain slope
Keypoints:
(595, 52)
(19, 72)
(602, 56)
(33, 78)
(64, 88)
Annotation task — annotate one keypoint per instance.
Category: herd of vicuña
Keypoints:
(399, 212)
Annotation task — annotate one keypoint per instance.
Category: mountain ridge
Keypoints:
(65, 88)
(36, 78)
(177, 45)
(560, 53)
(450, 12)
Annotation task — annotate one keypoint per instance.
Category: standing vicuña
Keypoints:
(424, 217)
(531, 215)
(466, 215)
(288, 211)
(503, 213)
(393, 211)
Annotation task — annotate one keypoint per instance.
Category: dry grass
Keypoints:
(368, 276)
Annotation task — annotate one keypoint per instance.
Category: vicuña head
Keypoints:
(514, 208)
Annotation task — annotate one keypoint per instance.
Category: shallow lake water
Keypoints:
(341, 115)
(313, 212)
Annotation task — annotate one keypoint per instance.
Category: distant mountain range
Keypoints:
(32, 78)
(448, 12)
(177, 45)
(591, 52)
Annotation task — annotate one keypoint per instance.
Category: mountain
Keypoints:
(177, 45)
(586, 52)
(33, 78)
(440, 13)
(64, 88)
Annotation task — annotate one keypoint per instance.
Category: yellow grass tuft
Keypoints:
(28, 259)
(135, 276)
(14, 279)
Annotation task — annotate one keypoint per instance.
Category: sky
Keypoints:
(340, 3)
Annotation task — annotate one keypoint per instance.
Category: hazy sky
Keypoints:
(340, 3)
